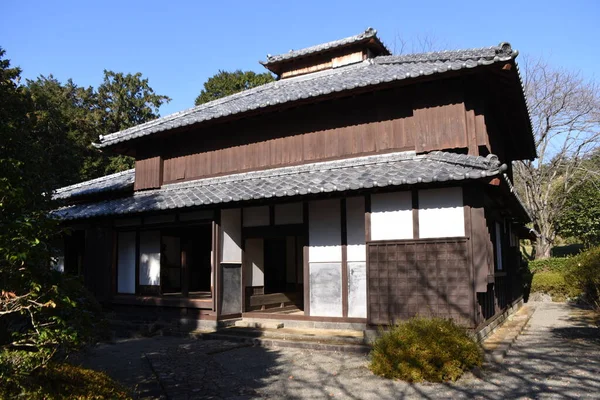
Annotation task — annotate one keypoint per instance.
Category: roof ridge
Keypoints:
(503, 51)
(367, 34)
(389, 69)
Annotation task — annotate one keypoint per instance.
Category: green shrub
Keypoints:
(553, 284)
(548, 265)
(425, 349)
(52, 319)
(63, 381)
(583, 274)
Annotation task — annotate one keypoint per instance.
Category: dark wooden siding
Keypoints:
(426, 117)
(148, 173)
(427, 277)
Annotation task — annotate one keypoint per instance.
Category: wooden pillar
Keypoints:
(344, 232)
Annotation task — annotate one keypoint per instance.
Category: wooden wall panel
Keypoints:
(427, 277)
(149, 173)
(428, 117)
(439, 116)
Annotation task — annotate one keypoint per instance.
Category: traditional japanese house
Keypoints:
(357, 189)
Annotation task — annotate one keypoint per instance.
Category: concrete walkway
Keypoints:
(557, 356)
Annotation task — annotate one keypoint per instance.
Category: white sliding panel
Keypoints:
(441, 213)
(324, 231)
(357, 257)
(325, 258)
(231, 238)
(355, 229)
(254, 262)
(126, 262)
(391, 216)
(150, 258)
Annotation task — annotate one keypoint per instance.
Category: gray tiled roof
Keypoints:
(367, 34)
(382, 170)
(370, 72)
(110, 183)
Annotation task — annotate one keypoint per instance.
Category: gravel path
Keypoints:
(557, 357)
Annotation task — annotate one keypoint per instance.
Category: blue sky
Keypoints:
(179, 44)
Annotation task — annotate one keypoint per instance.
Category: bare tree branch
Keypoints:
(565, 116)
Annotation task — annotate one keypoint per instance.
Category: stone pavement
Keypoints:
(556, 357)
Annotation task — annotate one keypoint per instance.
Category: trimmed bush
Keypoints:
(64, 381)
(425, 349)
(583, 274)
(548, 265)
(553, 284)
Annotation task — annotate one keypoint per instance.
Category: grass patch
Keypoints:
(63, 381)
(425, 349)
(553, 284)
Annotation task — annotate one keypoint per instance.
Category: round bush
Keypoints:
(553, 284)
(425, 349)
(583, 274)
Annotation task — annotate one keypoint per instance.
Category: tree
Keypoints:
(580, 217)
(43, 313)
(65, 119)
(565, 116)
(226, 83)
(73, 117)
(125, 101)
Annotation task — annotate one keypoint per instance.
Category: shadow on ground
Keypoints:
(558, 356)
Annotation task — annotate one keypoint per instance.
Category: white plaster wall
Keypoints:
(150, 258)
(254, 262)
(355, 229)
(126, 262)
(326, 289)
(391, 216)
(256, 216)
(357, 289)
(58, 260)
(324, 231)
(59, 263)
(231, 236)
(288, 213)
(441, 213)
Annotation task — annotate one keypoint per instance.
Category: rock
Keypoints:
(540, 297)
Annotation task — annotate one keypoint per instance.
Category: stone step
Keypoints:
(298, 342)
(259, 324)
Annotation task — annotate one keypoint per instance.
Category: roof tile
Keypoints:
(332, 176)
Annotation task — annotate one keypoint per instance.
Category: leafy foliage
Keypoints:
(553, 284)
(70, 118)
(425, 349)
(43, 314)
(580, 217)
(226, 83)
(555, 264)
(64, 381)
(583, 274)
